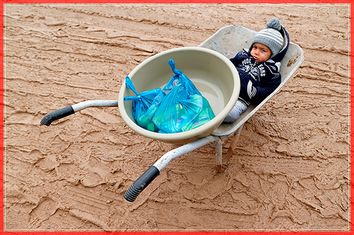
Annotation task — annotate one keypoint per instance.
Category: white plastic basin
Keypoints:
(212, 73)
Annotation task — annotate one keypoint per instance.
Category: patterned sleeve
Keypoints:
(239, 57)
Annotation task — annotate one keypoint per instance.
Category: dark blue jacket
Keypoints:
(258, 80)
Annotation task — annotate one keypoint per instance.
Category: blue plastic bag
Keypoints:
(144, 105)
(204, 116)
(183, 108)
(177, 107)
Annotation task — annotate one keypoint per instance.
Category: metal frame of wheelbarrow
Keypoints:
(223, 41)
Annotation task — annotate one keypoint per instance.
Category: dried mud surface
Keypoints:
(289, 170)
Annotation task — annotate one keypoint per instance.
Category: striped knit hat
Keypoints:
(271, 37)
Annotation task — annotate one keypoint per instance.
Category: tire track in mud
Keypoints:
(288, 170)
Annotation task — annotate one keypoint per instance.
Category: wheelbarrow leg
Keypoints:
(145, 179)
(218, 151)
(237, 136)
(233, 142)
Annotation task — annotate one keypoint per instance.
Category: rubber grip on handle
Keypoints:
(57, 114)
(141, 183)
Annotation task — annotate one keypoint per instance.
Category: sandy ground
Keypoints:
(288, 171)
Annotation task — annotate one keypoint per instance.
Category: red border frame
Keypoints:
(168, 1)
(177, 1)
(2, 116)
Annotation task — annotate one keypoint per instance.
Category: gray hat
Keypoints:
(271, 37)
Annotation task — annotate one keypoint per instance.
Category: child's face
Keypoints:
(260, 52)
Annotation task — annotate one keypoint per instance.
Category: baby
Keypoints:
(259, 67)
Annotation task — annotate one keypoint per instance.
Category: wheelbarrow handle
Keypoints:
(141, 183)
(71, 109)
(57, 114)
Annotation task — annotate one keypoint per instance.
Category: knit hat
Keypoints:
(271, 37)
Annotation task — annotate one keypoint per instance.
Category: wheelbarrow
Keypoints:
(222, 45)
